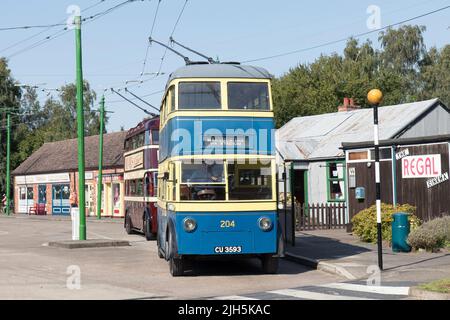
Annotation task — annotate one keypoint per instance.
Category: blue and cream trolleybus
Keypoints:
(216, 172)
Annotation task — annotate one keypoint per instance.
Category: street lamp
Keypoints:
(375, 96)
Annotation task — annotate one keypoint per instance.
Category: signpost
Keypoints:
(80, 130)
(100, 158)
(8, 164)
(375, 96)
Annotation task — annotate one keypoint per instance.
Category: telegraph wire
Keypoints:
(347, 38)
(32, 27)
(65, 30)
(41, 32)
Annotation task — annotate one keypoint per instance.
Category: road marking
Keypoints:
(314, 295)
(403, 291)
(234, 298)
(99, 235)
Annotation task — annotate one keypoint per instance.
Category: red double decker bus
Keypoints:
(141, 169)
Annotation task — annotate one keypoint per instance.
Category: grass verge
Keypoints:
(441, 286)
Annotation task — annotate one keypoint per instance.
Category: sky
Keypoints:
(115, 44)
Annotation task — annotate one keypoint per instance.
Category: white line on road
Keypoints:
(99, 235)
(403, 291)
(314, 295)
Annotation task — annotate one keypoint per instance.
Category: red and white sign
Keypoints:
(425, 166)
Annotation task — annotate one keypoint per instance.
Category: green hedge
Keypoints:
(365, 221)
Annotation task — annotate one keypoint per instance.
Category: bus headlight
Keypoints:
(189, 224)
(265, 224)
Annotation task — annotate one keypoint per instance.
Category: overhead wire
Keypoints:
(39, 33)
(171, 34)
(148, 43)
(346, 38)
(66, 29)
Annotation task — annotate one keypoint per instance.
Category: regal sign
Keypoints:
(424, 166)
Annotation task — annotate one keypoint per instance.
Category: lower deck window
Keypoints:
(245, 181)
(202, 181)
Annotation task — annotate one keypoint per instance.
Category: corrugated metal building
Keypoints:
(309, 148)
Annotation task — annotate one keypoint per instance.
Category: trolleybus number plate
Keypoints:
(237, 249)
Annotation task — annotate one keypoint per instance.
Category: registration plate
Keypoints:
(228, 249)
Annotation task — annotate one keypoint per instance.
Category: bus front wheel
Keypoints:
(128, 225)
(270, 264)
(176, 265)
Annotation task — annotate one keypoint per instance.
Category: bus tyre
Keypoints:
(128, 225)
(147, 229)
(158, 245)
(270, 264)
(176, 265)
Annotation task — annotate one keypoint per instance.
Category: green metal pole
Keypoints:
(8, 173)
(100, 158)
(80, 130)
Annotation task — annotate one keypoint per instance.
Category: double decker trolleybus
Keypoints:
(217, 171)
(140, 176)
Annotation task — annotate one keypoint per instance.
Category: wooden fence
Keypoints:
(319, 216)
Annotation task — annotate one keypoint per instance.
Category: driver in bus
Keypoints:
(206, 174)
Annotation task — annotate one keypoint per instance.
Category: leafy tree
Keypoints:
(9, 100)
(402, 69)
(435, 75)
(62, 114)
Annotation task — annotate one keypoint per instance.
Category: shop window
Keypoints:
(385, 154)
(358, 155)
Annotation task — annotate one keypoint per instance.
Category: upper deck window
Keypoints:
(248, 96)
(199, 95)
(155, 136)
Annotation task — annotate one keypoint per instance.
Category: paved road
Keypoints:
(356, 290)
(31, 270)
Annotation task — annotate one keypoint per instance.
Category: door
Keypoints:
(42, 194)
(23, 200)
(60, 199)
(116, 199)
(89, 198)
(299, 186)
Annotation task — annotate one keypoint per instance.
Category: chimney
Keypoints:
(349, 105)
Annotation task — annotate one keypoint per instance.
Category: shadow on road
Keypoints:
(239, 267)
(324, 246)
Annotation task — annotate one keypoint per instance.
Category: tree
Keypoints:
(9, 99)
(435, 75)
(62, 114)
(402, 69)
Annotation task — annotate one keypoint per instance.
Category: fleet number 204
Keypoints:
(227, 224)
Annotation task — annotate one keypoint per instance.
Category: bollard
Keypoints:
(400, 232)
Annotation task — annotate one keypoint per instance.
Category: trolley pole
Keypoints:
(375, 96)
(100, 158)
(80, 130)
(8, 164)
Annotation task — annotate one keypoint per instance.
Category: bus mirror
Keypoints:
(166, 176)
